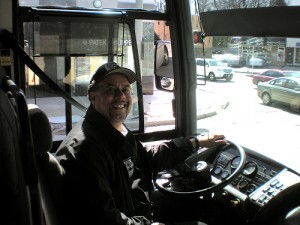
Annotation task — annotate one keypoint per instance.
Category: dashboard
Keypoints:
(261, 179)
(250, 185)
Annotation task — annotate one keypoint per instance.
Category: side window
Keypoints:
(200, 63)
(69, 51)
(291, 84)
(158, 111)
(272, 82)
(280, 82)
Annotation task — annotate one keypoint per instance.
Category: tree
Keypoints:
(233, 4)
(278, 3)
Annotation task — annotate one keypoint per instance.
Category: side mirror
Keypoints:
(164, 76)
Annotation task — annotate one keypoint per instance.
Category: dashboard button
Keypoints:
(279, 186)
(262, 198)
(243, 185)
(218, 170)
(236, 180)
(251, 188)
(266, 188)
(274, 182)
(225, 174)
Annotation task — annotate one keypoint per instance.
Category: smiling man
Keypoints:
(107, 171)
(110, 93)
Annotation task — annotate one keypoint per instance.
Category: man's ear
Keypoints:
(92, 96)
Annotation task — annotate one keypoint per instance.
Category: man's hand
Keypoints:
(211, 140)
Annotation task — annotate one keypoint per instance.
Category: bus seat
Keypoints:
(49, 170)
(13, 189)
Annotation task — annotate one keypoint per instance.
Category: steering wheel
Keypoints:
(193, 177)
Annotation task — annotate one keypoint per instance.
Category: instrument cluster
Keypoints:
(255, 173)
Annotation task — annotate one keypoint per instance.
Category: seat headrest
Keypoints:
(40, 128)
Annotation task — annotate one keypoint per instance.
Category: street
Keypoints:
(267, 129)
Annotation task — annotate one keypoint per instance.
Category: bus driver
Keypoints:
(108, 173)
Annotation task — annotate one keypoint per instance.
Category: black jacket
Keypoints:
(101, 165)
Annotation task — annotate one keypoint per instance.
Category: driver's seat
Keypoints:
(49, 170)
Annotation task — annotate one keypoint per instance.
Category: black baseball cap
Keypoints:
(112, 68)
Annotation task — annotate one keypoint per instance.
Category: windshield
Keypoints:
(216, 63)
(69, 48)
(234, 107)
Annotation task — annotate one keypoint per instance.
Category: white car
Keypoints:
(256, 62)
(214, 69)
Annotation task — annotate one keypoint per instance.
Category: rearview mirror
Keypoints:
(164, 76)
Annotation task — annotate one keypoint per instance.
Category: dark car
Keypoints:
(236, 61)
(266, 76)
(284, 90)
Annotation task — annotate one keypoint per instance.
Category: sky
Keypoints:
(294, 2)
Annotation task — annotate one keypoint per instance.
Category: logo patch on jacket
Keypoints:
(129, 165)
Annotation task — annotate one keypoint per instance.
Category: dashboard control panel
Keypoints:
(255, 172)
(270, 189)
(260, 180)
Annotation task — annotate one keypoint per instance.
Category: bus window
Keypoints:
(69, 49)
(69, 52)
(158, 111)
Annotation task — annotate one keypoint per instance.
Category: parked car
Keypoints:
(214, 69)
(223, 57)
(256, 62)
(236, 61)
(266, 76)
(284, 90)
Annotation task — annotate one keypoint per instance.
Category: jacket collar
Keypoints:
(96, 126)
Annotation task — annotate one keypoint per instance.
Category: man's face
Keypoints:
(112, 98)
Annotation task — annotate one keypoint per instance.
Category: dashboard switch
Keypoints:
(224, 195)
(234, 203)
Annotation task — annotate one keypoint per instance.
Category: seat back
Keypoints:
(13, 194)
(49, 170)
(30, 189)
(19, 190)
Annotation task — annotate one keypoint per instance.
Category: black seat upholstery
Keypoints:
(13, 189)
(49, 170)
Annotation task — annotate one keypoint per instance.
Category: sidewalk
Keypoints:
(248, 71)
(158, 107)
